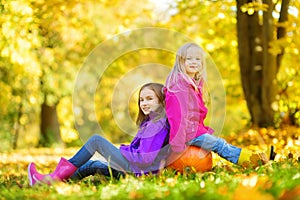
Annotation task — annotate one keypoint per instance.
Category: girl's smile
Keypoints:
(193, 61)
(148, 101)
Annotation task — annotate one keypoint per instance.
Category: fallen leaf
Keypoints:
(293, 194)
(250, 193)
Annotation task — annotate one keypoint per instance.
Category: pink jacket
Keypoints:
(186, 112)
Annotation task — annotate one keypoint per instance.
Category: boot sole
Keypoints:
(31, 181)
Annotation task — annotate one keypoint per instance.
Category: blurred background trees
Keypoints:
(43, 44)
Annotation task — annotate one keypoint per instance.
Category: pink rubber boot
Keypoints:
(31, 171)
(63, 171)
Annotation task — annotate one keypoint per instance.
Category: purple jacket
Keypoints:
(186, 112)
(148, 150)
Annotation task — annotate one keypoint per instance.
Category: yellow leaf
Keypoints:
(251, 11)
(250, 193)
(66, 189)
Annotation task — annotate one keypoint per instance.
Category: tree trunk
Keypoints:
(269, 86)
(281, 31)
(257, 65)
(17, 126)
(50, 133)
(250, 58)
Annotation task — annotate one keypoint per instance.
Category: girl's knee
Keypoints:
(211, 137)
(96, 138)
(208, 135)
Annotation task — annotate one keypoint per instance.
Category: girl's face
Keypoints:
(148, 101)
(193, 61)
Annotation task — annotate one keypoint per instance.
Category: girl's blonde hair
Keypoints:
(179, 66)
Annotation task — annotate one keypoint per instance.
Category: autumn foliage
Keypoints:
(43, 44)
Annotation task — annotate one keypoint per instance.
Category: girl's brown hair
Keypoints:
(157, 88)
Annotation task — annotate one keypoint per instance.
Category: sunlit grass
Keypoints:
(279, 179)
(225, 181)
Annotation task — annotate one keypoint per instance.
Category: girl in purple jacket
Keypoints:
(145, 154)
(186, 111)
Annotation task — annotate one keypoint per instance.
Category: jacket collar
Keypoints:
(189, 81)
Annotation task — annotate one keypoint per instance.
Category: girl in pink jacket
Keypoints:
(186, 110)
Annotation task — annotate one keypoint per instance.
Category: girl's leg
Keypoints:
(232, 153)
(217, 145)
(93, 167)
(66, 168)
(99, 144)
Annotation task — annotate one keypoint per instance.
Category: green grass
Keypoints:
(276, 180)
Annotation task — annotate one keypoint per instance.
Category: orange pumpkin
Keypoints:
(193, 159)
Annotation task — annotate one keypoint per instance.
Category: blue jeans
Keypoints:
(112, 154)
(93, 167)
(217, 145)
